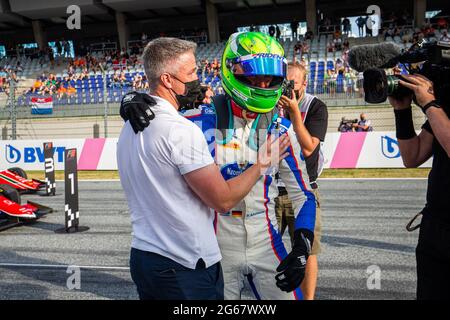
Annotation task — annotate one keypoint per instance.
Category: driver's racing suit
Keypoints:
(248, 235)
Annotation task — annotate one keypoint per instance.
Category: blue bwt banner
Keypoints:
(41, 105)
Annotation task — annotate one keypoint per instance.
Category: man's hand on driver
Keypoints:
(292, 268)
(135, 107)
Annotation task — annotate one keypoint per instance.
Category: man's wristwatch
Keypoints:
(429, 105)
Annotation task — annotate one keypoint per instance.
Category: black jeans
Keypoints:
(433, 259)
(161, 278)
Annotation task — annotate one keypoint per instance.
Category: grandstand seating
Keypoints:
(92, 90)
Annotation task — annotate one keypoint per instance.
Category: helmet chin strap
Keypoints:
(240, 112)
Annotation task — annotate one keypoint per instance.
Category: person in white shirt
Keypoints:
(170, 182)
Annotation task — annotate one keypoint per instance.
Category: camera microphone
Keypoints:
(383, 55)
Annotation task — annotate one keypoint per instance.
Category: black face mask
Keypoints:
(191, 94)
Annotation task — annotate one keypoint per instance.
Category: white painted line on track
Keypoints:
(61, 266)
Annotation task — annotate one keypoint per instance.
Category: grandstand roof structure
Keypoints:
(16, 16)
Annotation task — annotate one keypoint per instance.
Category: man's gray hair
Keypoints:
(161, 54)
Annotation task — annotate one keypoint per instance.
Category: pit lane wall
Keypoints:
(340, 150)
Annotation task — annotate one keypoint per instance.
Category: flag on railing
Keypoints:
(41, 105)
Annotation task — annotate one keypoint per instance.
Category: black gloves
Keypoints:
(292, 268)
(135, 107)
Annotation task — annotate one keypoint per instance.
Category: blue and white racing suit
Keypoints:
(248, 235)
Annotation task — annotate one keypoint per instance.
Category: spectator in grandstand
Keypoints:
(331, 78)
(339, 65)
(278, 33)
(444, 36)
(337, 42)
(62, 90)
(2, 82)
(84, 75)
(330, 47)
(36, 86)
(137, 82)
(417, 36)
(50, 56)
(344, 57)
(350, 82)
(309, 35)
(66, 47)
(346, 26)
(209, 93)
(327, 25)
(145, 82)
(298, 48)
(123, 79)
(442, 23)
(115, 82)
(144, 38)
(389, 32)
(272, 30)
(361, 22)
(207, 67)
(428, 31)
(135, 49)
(294, 29)
(406, 35)
(345, 45)
(50, 86)
(58, 47)
(363, 125)
(215, 65)
(305, 49)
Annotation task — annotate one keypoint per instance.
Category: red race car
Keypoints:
(12, 213)
(13, 182)
(17, 178)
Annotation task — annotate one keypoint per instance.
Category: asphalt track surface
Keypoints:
(363, 226)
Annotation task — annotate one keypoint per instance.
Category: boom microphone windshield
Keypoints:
(384, 55)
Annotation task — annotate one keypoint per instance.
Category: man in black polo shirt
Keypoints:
(433, 248)
(309, 118)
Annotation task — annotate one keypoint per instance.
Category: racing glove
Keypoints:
(135, 107)
(292, 268)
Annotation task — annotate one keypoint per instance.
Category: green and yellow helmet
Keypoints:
(249, 54)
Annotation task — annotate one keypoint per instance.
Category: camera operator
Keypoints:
(363, 125)
(433, 249)
(347, 125)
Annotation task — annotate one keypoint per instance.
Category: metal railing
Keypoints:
(345, 98)
(103, 46)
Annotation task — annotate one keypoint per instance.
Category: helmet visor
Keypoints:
(259, 64)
